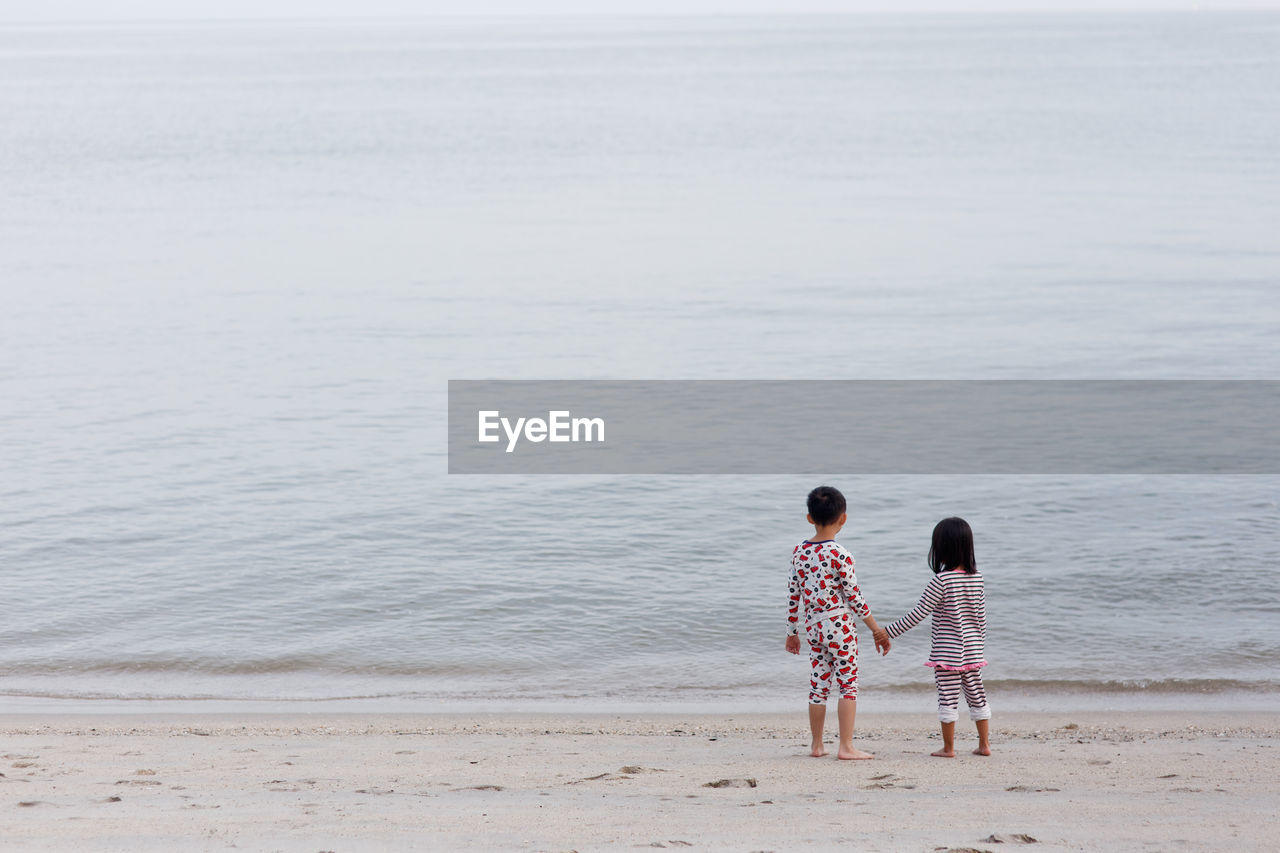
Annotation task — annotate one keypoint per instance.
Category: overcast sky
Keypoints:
(54, 10)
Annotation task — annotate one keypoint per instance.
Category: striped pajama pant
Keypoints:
(950, 683)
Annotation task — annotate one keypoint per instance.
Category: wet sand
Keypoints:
(343, 782)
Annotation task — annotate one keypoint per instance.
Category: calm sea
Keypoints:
(239, 262)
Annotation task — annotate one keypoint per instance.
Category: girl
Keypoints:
(955, 598)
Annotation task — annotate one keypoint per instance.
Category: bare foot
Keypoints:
(982, 750)
(817, 751)
(852, 754)
(944, 753)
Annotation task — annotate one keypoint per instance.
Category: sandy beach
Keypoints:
(342, 782)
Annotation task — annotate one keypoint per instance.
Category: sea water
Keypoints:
(239, 262)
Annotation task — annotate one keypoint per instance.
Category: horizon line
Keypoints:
(1021, 12)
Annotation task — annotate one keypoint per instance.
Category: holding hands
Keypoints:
(879, 635)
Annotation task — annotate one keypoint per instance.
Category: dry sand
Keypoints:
(1125, 781)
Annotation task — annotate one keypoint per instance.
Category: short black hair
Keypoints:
(952, 546)
(826, 504)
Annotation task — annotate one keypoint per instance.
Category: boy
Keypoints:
(823, 584)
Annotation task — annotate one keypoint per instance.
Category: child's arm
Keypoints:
(929, 601)
(878, 634)
(849, 581)
(842, 562)
(793, 612)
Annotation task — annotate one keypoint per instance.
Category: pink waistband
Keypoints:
(949, 668)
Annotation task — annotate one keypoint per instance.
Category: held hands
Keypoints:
(881, 637)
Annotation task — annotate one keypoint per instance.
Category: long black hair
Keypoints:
(952, 546)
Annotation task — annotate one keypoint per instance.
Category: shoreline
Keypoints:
(890, 700)
(604, 781)
(1016, 724)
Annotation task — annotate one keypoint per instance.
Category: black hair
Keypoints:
(952, 546)
(826, 504)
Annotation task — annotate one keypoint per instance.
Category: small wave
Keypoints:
(270, 690)
(294, 665)
(1165, 685)
(105, 696)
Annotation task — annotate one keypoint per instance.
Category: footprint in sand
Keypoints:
(732, 783)
(886, 780)
(599, 777)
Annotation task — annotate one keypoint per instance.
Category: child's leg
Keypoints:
(817, 721)
(979, 711)
(845, 652)
(820, 672)
(848, 709)
(948, 709)
(948, 741)
(984, 743)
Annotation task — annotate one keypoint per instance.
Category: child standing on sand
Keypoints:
(824, 591)
(957, 601)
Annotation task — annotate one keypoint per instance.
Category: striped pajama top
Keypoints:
(959, 608)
